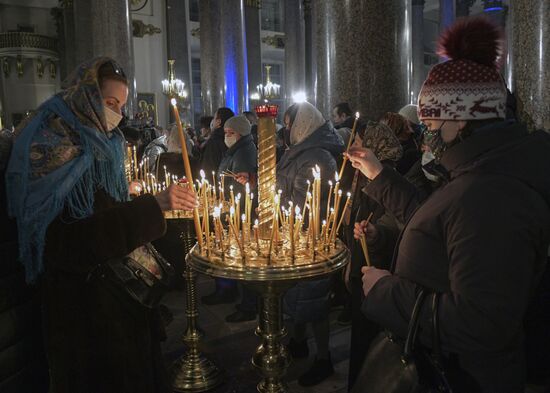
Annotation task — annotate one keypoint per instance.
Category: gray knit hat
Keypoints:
(239, 124)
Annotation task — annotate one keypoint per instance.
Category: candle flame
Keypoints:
(317, 168)
(231, 187)
(217, 212)
(297, 210)
(349, 194)
(243, 217)
(256, 222)
(173, 101)
(339, 192)
(252, 196)
(324, 222)
(247, 186)
(336, 177)
(232, 211)
(357, 115)
(330, 183)
(203, 175)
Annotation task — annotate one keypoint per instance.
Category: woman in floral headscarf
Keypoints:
(67, 191)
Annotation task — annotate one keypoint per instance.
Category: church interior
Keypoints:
(262, 195)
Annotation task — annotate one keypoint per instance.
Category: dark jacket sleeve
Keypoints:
(492, 260)
(112, 232)
(395, 193)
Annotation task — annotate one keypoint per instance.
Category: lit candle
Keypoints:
(188, 172)
(135, 163)
(214, 186)
(328, 202)
(351, 138)
(237, 210)
(257, 235)
(243, 227)
(247, 203)
(274, 225)
(348, 201)
(324, 231)
(291, 229)
(336, 212)
(231, 195)
(307, 194)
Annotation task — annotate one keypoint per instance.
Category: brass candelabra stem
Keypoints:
(271, 357)
(267, 163)
(193, 372)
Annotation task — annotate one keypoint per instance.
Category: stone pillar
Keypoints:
(310, 50)
(446, 14)
(530, 59)
(363, 55)
(253, 43)
(177, 34)
(497, 12)
(295, 68)
(103, 28)
(66, 36)
(211, 61)
(233, 49)
(417, 44)
(463, 7)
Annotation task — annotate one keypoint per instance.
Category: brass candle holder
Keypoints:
(281, 251)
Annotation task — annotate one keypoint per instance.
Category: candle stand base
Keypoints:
(193, 372)
(270, 282)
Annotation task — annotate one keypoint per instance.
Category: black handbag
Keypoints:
(392, 366)
(130, 279)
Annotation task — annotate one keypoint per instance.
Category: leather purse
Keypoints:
(392, 366)
(143, 276)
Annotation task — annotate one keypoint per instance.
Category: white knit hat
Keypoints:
(410, 112)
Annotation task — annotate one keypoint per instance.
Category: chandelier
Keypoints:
(172, 87)
(270, 90)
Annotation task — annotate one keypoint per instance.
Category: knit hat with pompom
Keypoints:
(468, 86)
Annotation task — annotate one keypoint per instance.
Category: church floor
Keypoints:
(231, 345)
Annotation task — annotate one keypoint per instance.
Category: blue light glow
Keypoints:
(493, 9)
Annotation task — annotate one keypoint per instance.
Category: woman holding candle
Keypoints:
(313, 142)
(480, 240)
(67, 191)
(381, 238)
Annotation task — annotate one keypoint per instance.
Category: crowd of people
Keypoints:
(452, 197)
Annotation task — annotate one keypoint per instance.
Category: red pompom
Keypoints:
(476, 39)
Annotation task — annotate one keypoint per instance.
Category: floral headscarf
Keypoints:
(382, 141)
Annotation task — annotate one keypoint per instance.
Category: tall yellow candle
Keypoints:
(188, 173)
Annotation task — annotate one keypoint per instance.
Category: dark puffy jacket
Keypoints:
(213, 151)
(294, 169)
(480, 240)
(241, 157)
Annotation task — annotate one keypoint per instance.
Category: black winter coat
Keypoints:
(23, 366)
(213, 151)
(97, 341)
(241, 157)
(481, 240)
(294, 169)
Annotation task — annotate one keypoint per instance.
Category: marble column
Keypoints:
(253, 43)
(417, 44)
(295, 69)
(363, 55)
(531, 61)
(496, 12)
(446, 14)
(212, 96)
(103, 28)
(67, 40)
(310, 38)
(463, 7)
(233, 49)
(177, 34)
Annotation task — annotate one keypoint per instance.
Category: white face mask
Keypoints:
(230, 140)
(428, 157)
(111, 118)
